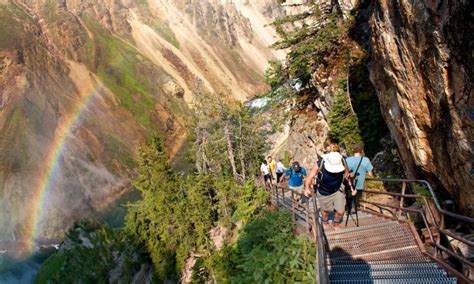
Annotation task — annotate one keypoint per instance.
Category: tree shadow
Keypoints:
(343, 264)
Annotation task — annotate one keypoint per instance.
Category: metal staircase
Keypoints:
(383, 246)
(380, 250)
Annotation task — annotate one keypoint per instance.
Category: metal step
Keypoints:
(363, 221)
(398, 281)
(387, 274)
(408, 261)
(343, 231)
(351, 266)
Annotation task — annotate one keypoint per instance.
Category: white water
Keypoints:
(258, 103)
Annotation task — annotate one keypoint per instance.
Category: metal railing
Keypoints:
(308, 213)
(436, 231)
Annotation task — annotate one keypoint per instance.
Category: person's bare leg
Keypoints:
(338, 219)
(325, 215)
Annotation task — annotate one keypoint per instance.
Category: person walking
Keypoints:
(265, 171)
(359, 166)
(331, 171)
(272, 167)
(280, 170)
(296, 175)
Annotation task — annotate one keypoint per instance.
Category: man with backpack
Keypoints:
(280, 170)
(295, 176)
(359, 166)
(330, 171)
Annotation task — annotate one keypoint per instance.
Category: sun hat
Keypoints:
(333, 162)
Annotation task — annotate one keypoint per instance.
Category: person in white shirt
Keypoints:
(280, 170)
(265, 170)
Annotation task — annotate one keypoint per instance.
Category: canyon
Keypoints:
(83, 83)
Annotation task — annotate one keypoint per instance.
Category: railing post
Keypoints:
(276, 196)
(282, 196)
(308, 221)
(293, 209)
(315, 215)
(404, 186)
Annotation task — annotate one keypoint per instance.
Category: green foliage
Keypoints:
(50, 10)
(309, 44)
(222, 129)
(90, 251)
(157, 24)
(117, 150)
(11, 19)
(286, 158)
(318, 41)
(176, 214)
(366, 105)
(117, 65)
(267, 251)
(275, 74)
(343, 121)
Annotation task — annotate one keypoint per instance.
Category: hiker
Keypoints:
(295, 175)
(272, 166)
(331, 170)
(359, 166)
(265, 170)
(280, 170)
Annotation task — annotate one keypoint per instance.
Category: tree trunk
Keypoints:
(230, 150)
(241, 151)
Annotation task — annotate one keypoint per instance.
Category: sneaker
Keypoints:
(326, 225)
(303, 199)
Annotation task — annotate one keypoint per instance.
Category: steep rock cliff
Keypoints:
(422, 68)
(83, 82)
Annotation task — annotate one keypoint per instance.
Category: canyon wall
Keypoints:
(422, 68)
(84, 82)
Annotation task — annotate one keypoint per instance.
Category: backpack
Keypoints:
(319, 175)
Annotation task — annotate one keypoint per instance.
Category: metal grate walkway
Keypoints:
(380, 250)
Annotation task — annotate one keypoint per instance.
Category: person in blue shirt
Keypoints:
(362, 165)
(296, 175)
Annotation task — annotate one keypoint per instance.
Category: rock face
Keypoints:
(84, 82)
(422, 67)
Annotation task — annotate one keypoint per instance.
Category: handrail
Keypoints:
(433, 195)
(441, 231)
(313, 223)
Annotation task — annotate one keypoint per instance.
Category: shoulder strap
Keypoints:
(360, 162)
(320, 168)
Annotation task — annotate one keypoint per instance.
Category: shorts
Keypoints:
(334, 201)
(267, 177)
(299, 189)
(279, 177)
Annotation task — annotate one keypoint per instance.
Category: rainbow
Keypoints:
(51, 161)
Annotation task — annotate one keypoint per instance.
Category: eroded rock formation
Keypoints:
(422, 67)
(83, 82)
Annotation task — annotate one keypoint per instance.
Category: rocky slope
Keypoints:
(84, 81)
(422, 68)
